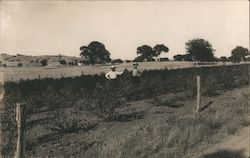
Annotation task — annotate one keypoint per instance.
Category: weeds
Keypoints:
(94, 94)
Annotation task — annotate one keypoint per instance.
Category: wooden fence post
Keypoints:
(198, 78)
(249, 75)
(20, 118)
(39, 77)
(12, 78)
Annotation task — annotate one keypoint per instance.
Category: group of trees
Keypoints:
(196, 50)
(147, 53)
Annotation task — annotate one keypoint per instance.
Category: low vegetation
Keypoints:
(80, 104)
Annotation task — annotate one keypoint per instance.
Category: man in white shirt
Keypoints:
(136, 74)
(113, 74)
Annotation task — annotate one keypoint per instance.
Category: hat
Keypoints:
(112, 67)
(135, 63)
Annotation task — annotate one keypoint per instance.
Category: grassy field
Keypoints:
(68, 71)
(29, 72)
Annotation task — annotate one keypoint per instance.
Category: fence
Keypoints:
(177, 80)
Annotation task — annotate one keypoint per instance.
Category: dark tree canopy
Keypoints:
(159, 48)
(146, 52)
(239, 54)
(200, 50)
(95, 52)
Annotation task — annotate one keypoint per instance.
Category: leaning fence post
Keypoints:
(20, 118)
(198, 78)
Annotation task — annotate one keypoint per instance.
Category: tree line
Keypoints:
(196, 50)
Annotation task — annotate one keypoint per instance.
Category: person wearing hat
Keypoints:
(113, 74)
(136, 73)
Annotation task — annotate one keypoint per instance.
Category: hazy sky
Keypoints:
(52, 27)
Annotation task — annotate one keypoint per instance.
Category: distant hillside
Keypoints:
(26, 60)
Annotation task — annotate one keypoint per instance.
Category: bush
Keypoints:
(68, 121)
(128, 61)
(164, 59)
(71, 63)
(19, 64)
(117, 61)
(43, 62)
(109, 98)
(62, 62)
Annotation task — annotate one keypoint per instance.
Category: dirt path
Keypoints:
(237, 145)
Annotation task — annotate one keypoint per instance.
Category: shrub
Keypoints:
(164, 59)
(43, 62)
(68, 121)
(62, 62)
(108, 99)
(117, 61)
(71, 63)
(19, 64)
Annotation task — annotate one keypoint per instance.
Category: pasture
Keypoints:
(16, 73)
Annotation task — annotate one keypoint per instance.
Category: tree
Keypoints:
(239, 54)
(200, 50)
(158, 49)
(95, 52)
(145, 52)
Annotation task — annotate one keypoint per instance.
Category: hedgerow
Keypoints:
(98, 96)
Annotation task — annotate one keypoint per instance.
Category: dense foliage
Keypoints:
(147, 53)
(200, 50)
(239, 54)
(95, 52)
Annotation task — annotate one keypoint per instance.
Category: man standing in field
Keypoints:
(113, 74)
(136, 74)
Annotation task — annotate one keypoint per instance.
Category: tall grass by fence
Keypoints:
(95, 94)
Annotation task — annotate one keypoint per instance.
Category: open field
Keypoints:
(15, 73)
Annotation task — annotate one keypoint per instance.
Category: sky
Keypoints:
(53, 27)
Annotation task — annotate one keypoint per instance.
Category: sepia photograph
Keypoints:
(124, 79)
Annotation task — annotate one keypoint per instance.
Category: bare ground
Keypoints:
(238, 143)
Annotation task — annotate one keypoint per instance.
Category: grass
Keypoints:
(83, 104)
(24, 73)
